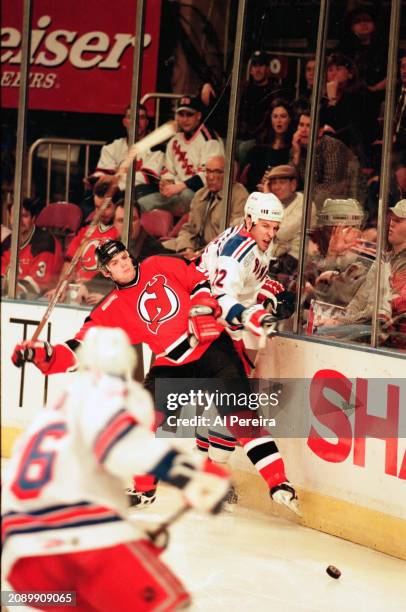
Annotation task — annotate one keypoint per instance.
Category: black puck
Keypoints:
(333, 571)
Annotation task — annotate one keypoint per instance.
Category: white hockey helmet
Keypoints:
(341, 212)
(108, 350)
(263, 206)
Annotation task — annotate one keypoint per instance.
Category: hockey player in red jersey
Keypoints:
(237, 262)
(165, 302)
(65, 523)
(40, 256)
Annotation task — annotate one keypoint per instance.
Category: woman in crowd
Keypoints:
(273, 148)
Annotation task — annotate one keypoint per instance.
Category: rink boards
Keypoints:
(351, 475)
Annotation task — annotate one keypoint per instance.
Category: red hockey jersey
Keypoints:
(87, 265)
(154, 310)
(40, 261)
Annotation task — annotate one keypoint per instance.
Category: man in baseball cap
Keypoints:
(399, 210)
(259, 58)
(282, 182)
(187, 103)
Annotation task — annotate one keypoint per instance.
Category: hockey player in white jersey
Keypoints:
(237, 262)
(65, 525)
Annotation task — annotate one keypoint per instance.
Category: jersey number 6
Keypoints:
(36, 465)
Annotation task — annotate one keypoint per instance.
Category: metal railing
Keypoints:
(69, 145)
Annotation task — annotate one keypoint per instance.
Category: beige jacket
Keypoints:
(208, 218)
(288, 236)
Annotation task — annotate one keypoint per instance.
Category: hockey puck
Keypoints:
(333, 571)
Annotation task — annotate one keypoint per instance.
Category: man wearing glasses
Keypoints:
(206, 209)
(185, 159)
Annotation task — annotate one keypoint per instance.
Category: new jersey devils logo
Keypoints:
(157, 303)
(88, 259)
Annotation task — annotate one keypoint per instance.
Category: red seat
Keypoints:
(62, 218)
(157, 222)
(176, 229)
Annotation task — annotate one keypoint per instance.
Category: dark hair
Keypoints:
(32, 206)
(136, 206)
(339, 59)
(287, 136)
(102, 187)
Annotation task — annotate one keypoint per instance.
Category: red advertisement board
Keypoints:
(81, 54)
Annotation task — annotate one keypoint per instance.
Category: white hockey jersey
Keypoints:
(148, 165)
(237, 270)
(185, 158)
(64, 487)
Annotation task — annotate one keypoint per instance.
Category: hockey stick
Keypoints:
(159, 135)
(155, 534)
(64, 279)
(162, 133)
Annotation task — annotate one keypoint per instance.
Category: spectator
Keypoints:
(306, 90)
(86, 267)
(148, 164)
(282, 182)
(348, 106)
(203, 224)
(343, 257)
(275, 151)
(337, 170)
(392, 306)
(39, 255)
(256, 97)
(186, 155)
(141, 245)
(366, 45)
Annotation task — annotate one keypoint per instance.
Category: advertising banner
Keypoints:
(81, 54)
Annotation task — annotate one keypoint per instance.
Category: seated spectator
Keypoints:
(141, 245)
(40, 256)
(104, 229)
(275, 150)
(341, 256)
(256, 96)
(337, 170)
(306, 90)
(392, 307)
(206, 209)
(348, 110)
(282, 182)
(186, 155)
(148, 163)
(365, 42)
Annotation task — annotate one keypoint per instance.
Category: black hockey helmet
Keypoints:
(105, 251)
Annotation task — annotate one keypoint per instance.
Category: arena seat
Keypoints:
(177, 227)
(60, 218)
(157, 222)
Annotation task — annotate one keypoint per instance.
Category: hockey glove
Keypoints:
(204, 489)
(285, 305)
(267, 295)
(203, 326)
(257, 320)
(39, 353)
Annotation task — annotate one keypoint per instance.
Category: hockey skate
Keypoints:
(231, 500)
(285, 495)
(141, 498)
